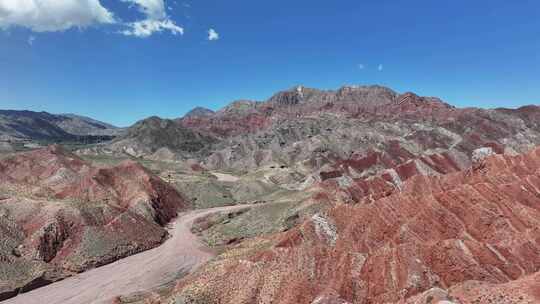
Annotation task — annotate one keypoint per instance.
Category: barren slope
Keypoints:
(480, 224)
(60, 215)
(357, 131)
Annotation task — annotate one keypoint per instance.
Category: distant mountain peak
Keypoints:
(21, 125)
(89, 120)
(199, 112)
(239, 106)
(358, 93)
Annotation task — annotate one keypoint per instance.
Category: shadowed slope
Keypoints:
(29, 125)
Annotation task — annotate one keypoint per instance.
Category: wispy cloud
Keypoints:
(156, 20)
(361, 66)
(147, 27)
(380, 67)
(31, 40)
(153, 9)
(213, 35)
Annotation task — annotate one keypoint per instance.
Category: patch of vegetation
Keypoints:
(104, 160)
(204, 192)
(220, 230)
(161, 292)
(194, 294)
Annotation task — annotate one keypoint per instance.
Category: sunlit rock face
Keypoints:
(465, 236)
(308, 128)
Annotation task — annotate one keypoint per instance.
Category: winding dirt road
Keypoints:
(183, 252)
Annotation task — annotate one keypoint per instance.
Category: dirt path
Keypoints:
(223, 177)
(181, 253)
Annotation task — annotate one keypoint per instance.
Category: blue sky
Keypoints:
(470, 53)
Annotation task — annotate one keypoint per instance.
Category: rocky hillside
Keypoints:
(471, 236)
(157, 138)
(82, 125)
(43, 126)
(61, 215)
(363, 195)
(312, 128)
(411, 201)
(364, 129)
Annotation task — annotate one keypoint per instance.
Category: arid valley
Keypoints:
(358, 195)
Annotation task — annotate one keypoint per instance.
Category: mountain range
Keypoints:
(363, 129)
(355, 195)
(16, 126)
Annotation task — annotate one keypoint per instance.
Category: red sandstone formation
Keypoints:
(61, 215)
(343, 181)
(448, 232)
(525, 290)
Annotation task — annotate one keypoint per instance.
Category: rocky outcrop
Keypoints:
(480, 154)
(363, 95)
(347, 182)
(51, 239)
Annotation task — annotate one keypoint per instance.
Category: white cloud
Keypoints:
(156, 20)
(146, 28)
(60, 15)
(31, 40)
(213, 35)
(153, 9)
(361, 66)
(52, 15)
(380, 67)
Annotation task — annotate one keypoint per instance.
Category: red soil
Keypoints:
(481, 224)
(75, 216)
